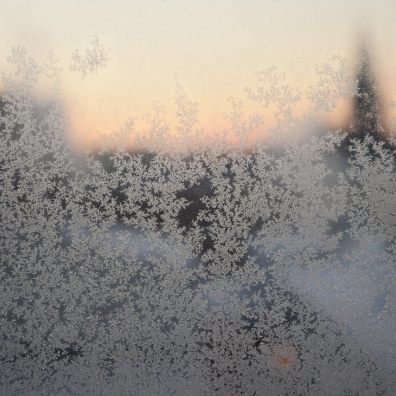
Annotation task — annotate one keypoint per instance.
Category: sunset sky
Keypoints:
(214, 47)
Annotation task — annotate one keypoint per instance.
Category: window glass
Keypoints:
(198, 198)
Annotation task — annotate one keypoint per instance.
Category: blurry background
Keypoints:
(212, 48)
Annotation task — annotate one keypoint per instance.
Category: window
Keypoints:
(197, 198)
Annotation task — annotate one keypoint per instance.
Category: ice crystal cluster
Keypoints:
(267, 270)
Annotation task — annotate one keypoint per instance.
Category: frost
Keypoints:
(272, 88)
(209, 269)
(90, 61)
(336, 82)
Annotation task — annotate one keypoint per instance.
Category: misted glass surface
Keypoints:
(198, 199)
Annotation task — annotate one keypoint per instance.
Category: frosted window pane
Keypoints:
(240, 243)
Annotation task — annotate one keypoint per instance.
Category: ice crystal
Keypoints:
(90, 60)
(215, 270)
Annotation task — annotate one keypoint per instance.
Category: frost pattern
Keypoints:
(222, 270)
(90, 61)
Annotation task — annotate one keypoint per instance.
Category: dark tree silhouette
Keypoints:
(367, 104)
